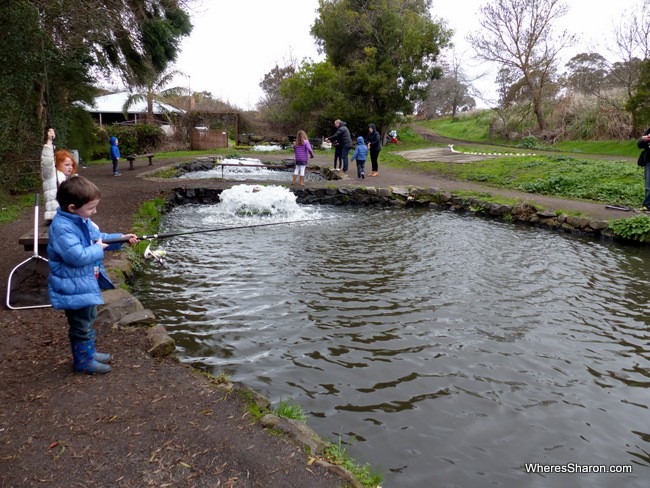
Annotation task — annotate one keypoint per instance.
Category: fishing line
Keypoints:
(201, 231)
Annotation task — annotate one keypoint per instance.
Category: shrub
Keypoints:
(529, 142)
(634, 228)
(134, 139)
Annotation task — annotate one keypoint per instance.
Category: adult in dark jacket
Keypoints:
(644, 159)
(374, 146)
(342, 136)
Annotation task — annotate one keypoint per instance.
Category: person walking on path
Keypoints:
(115, 154)
(77, 275)
(343, 138)
(302, 151)
(374, 146)
(360, 155)
(644, 160)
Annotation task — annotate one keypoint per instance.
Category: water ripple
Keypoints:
(454, 350)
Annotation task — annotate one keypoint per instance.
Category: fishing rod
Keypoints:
(201, 231)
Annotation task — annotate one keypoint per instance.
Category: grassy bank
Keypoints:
(560, 174)
(475, 127)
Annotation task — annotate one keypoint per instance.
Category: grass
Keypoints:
(616, 182)
(475, 127)
(470, 127)
(12, 207)
(486, 197)
(146, 220)
(569, 176)
(337, 454)
(290, 410)
(334, 453)
(611, 148)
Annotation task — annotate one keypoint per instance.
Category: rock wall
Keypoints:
(521, 212)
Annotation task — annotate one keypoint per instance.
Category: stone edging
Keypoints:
(520, 212)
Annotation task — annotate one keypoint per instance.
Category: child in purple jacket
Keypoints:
(302, 151)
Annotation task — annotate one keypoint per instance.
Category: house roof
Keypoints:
(113, 104)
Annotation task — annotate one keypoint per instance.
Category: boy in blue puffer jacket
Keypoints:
(77, 276)
(115, 154)
(360, 155)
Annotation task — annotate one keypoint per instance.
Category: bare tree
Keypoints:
(630, 45)
(450, 94)
(519, 34)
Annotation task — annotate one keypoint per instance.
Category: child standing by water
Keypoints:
(360, 155)
(302, 151)
(115, 154)
(338, 150)
(77, 275)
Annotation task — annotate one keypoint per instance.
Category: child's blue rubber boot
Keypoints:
(101, 357)
(83, 354)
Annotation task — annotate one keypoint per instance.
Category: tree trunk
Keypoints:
(537, 107)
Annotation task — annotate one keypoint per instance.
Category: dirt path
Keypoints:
(149, 422)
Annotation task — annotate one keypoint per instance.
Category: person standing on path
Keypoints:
(115, 154)
(342, 136)
(644, 160)
(302, 151)
(374, 146)
(77, 275)
(360, 155)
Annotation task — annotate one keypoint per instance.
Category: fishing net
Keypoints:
(27, 286)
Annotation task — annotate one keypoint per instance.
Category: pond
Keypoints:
(241, 169)
(444, 350)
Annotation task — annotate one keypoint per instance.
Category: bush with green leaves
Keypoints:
(529, 142)
(134, 139)
(634, 228)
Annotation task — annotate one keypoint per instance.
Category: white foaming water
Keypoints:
(267, 148)
(247, 166)
(270, 202)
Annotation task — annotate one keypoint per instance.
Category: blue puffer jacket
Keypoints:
(73, 256)
(361, 152)
(115, 151)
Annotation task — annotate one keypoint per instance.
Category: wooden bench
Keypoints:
(133, 157)
(27, 240)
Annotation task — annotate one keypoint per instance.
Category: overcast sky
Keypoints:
(234, 44)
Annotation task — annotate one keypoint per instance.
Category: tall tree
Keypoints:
(136, 38)
(520, 34)
(54, 50)
(586, 73)
(447, 96)
(451, 93)
(385, 50)
(154, 91)
(630, 47)
(639, 103)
